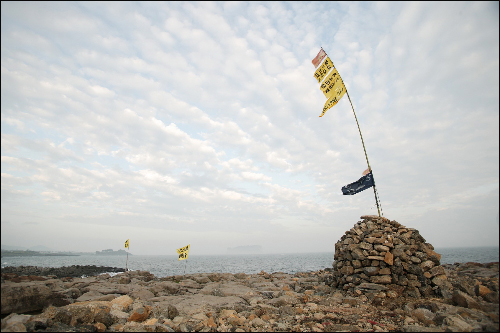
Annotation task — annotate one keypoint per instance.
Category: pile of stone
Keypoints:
(379, 255)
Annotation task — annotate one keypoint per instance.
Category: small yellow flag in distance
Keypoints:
(126, 244)
(183, 252)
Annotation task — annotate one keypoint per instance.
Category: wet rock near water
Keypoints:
(59, 272)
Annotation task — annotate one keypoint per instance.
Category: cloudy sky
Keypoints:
(198, 123)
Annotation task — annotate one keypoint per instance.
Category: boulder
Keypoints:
(30, 296)
(122, 303)
(464, 300)
(140, 314)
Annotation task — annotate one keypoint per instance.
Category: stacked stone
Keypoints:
(381, 253)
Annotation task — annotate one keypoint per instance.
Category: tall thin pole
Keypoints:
(366, 155)
(363, 142)
(126, 264)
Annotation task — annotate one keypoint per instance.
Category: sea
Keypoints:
(168, 265)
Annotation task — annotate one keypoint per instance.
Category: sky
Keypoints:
(198, 123)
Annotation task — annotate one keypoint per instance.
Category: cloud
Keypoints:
(195, 118)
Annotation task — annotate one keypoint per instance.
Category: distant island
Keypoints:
(110, 252)
(29, 253)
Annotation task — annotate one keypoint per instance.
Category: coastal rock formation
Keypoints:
(60, 272)
(223, 302)
(378, 255)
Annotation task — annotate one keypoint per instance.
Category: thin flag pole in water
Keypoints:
(127, 245)
(333, 88)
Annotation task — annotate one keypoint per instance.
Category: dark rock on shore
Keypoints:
(60, 272)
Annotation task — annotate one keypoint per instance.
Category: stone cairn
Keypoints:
(382, 255)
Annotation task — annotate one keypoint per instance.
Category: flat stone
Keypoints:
(464, 300)
(457, 324)
(426, 265)
(370, 270)
(389, 258)
(383, 279)
(481, 290)
(372, 286)
(381, 248)
(369, 217)
(376, 258)
(123, 302)
(437, 270)
(385, 271)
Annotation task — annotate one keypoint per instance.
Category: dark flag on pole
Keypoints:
(362, 184)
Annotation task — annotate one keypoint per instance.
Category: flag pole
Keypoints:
(362, 141)
(126, 264)
(366, 155)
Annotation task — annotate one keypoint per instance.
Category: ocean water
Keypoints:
(167, 265)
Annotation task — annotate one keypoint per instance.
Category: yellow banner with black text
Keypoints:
(331, 83)
(321, 72)
(338, 93)
(183, 252)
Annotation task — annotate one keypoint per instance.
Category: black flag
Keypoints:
(362, 184)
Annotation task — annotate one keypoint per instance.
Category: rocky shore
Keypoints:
(138, 301)
(24, 272)
(385, 277)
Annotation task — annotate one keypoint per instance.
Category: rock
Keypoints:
(61, 272)
(100, 327)
(257, 322)
(426, 265)
(481, 290)
(389, 258)
(140, 314)
(89, 296)
(424, 316)
(415, 328)
(119, 316)
(165, 287)
(370, 271)
(456, 324)
(15, 323)
(464, 300)
(81, 313)
(29, 296)
(122, 302)
(235, 289)
(372, 286)
(142, 294)
(381, 279)
(491, 297)
(172, 312)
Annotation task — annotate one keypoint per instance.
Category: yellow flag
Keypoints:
(126, 244)
(183, 252)
(183, 249)
(331, 83)
(339, 92)
(323, 69)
